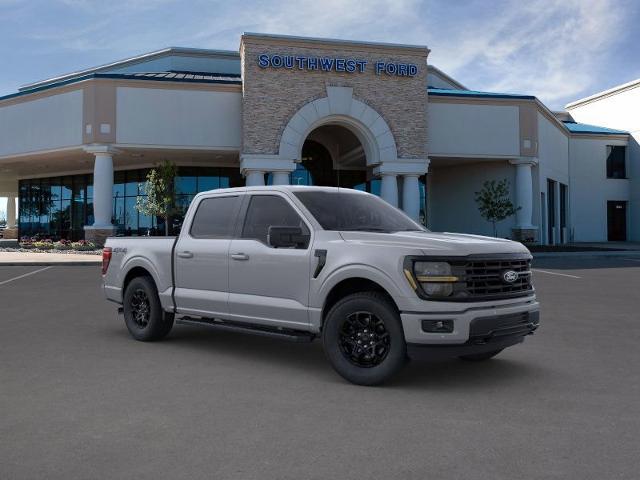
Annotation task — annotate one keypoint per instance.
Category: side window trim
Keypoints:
(244, 210)
(233, 228)
(242, 215)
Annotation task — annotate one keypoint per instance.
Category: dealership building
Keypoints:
(75, 149)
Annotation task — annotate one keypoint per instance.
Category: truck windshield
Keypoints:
(355, 212)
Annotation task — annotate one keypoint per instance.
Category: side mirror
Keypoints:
(286, 237)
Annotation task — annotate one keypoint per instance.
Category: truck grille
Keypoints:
(482, 277)
(485, 277)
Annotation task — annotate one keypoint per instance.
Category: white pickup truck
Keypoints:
(305, 262)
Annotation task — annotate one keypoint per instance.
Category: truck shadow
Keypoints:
(309, 360)
(455, 374)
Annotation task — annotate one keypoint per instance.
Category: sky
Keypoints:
(558, 50)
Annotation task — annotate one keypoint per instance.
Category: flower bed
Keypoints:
(47, 245)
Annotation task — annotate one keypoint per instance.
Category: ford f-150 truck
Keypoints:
(304, 262)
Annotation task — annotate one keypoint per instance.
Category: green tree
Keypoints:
(160, 200)
(494, 203)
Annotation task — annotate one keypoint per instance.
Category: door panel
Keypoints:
(269, 285)
(202, 258)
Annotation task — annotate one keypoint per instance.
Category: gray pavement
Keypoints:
(80, 399)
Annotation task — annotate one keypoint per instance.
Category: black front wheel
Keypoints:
(363, 338)
(143, 314)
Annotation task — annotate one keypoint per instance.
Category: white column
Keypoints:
(411, 196)
(389, 188)
(280, 178)
(102, 190)
(254, 178)
(102, 187)
(11, 212)
(524, 192)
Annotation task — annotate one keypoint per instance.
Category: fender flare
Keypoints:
(356, 270)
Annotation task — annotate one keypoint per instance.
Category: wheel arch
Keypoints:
(135, 272)
(349, 286)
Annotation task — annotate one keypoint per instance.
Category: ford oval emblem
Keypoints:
(509, 276)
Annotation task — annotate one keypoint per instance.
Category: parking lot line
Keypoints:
(555, 273)
(632, 259)
(25, 275)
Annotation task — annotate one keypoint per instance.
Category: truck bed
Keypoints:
(154, 254)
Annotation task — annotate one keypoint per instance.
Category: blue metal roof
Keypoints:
(188, 77)
(445, 92)
(575, 127)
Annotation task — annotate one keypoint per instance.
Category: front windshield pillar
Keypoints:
(389, 188)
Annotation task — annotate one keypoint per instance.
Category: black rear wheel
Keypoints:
(143, 313)
(363, 338)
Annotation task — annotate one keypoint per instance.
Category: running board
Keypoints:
(284, 334)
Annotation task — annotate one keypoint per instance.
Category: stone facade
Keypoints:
(10, 233)
(97, 235)
(272, 96)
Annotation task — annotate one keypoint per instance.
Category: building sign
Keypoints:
(335, 64)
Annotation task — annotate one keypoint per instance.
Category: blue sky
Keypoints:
(557, 50)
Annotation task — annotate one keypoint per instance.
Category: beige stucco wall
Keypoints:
(272, 96)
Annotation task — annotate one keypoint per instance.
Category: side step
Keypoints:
(263, 331)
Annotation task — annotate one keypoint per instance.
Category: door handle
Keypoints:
(185, 254)
(240, 256)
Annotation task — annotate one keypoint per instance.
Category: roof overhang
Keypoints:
(605, 93)
(145, 57)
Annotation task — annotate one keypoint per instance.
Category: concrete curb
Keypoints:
(616, 253)
(73, 263)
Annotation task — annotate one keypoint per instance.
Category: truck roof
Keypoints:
(283, 188)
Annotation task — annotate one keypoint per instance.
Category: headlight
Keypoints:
(435, 278)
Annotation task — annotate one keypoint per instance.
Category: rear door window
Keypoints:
(215, 217)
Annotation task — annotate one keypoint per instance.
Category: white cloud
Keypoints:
(553, 49)
(548, 48)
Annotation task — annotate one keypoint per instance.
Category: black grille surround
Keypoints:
(480, 277)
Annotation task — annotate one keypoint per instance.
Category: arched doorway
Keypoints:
(333, 156)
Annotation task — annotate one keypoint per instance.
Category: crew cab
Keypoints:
(301, 263)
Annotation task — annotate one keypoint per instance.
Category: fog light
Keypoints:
(437, 326)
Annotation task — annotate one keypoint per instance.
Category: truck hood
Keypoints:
(432, 243)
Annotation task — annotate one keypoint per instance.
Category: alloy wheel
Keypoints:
(364, 339)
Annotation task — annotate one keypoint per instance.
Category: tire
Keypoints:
(143, 314)
(347, 322)
(480, 357)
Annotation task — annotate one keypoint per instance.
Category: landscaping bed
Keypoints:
(35, 245)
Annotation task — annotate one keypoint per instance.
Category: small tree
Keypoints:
(160, 200)
(494, 203)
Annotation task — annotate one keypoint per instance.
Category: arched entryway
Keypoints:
(339, 140)
(333, 156)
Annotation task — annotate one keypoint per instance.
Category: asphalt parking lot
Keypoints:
(80, 399)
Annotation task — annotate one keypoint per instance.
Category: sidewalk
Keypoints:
(618, 249)
(36, 259)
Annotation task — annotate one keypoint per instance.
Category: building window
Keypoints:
(616, 161)
(56, 207)
(60, 207)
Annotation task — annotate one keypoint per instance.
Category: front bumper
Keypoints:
(475, 325)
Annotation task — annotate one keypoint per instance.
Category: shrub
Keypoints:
(83, 245)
